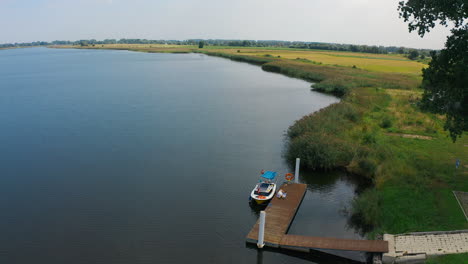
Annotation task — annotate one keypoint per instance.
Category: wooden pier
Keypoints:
(279, 216)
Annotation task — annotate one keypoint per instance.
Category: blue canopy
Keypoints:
(269, 175)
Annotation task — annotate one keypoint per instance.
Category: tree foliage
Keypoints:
(201, 44)
(414, 54)
(423, 14)
(445, 81)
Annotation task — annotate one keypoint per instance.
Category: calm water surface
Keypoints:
(125, 157)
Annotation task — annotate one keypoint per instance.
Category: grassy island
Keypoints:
(377, 131)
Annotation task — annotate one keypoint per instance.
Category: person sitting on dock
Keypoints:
(281, 194)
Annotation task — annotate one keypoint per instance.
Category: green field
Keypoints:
(376, 131)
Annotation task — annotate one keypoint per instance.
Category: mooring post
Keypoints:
(261, 230)
(296, 174)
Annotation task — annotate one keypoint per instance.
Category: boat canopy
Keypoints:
(269, 175)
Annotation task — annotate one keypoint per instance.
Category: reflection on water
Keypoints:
(256, 208)
(259, 256)
(314, 256)
(325, 210)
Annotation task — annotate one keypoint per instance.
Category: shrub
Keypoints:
(242, 58)
(369, 138)
(386, 122)
(335, 88)
(334, 119)
(367, 207)
(293, 72)
(320, 151)
(368, 167)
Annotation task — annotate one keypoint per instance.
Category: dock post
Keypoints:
(261, 230)
(296, 174)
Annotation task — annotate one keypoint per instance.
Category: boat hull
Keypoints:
(263, 199)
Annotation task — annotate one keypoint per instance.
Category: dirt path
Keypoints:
(409, 136)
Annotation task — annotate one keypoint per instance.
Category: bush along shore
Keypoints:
(377, 131)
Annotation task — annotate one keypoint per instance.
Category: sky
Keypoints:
(368, 22)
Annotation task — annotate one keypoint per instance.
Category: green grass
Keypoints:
(414, 182)
(449, 259)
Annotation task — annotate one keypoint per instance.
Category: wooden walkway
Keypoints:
(307, 242)
(279, 216)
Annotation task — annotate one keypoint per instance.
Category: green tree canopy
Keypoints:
(445, 81)
(423, 14)
(414, 54)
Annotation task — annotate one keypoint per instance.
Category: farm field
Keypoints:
(372, 62)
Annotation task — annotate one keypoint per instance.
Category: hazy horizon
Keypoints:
(361, 22)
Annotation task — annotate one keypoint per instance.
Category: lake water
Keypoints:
(127, 157)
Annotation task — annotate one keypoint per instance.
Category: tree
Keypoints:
(445, 81)
(414, 54)
(201, 44)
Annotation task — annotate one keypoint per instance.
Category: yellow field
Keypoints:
(390, 63)
(371, 62)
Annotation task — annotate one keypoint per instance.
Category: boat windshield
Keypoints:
(264, 189)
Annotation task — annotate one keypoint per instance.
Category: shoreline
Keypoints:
(413, 178)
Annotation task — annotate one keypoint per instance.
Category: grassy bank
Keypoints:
(380, 133)
(376, 131)
(450, 259)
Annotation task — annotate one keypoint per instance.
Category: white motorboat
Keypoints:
(265, 189)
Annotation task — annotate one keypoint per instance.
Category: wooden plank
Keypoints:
(334, 243)
(279, 215)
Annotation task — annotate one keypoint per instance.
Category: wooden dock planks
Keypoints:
(279, 216)
(334, 243)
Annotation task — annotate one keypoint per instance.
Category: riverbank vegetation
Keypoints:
(414, 54)
(377, 131)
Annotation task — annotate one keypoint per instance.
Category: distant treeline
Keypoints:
(309, 45)
(412, 53)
